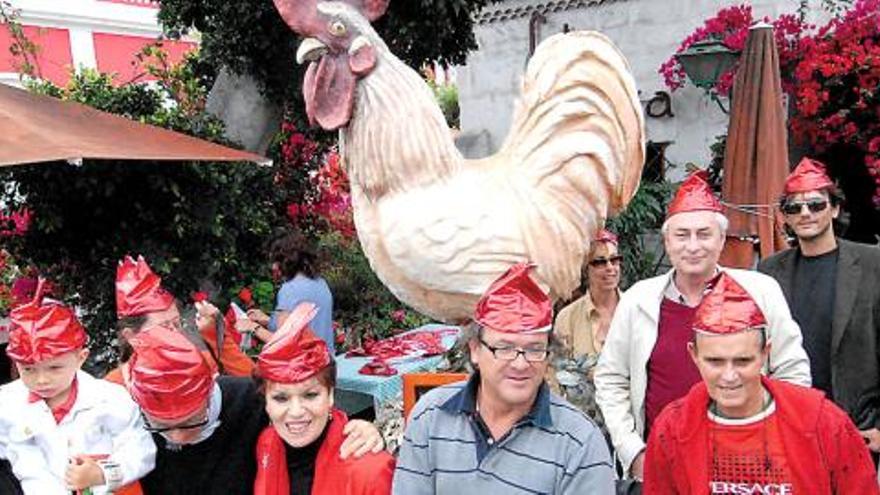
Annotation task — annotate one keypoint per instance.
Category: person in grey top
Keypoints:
(295, 265)
(503, 431)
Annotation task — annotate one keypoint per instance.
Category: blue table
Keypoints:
(356, 392)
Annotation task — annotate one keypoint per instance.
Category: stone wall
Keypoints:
(647, 31)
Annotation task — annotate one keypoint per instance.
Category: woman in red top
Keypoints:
(298, 454)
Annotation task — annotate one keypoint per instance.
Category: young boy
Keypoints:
(60, 428)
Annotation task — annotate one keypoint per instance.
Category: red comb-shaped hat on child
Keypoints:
(43, 330)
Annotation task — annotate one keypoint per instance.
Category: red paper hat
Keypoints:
(138, 289)
(167, 375)
(727, 308)
(514, 303)
(694, 194)
(809, 175)
(606, 236)
(294, 354)
(39, 331)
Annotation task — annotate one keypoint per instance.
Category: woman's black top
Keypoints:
(301, 465)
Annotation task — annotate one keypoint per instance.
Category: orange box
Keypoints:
(416, 384)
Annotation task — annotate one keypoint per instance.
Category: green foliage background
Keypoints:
(644, 213)
(199, 221)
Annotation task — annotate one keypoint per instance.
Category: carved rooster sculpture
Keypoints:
(438, 228)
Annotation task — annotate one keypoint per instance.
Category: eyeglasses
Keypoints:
(164, 429)
(511, 353)
(614, 260)
(795, 207)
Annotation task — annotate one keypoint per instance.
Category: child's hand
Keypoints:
(83, 472)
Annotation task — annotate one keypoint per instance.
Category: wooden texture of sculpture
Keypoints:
(438, 228)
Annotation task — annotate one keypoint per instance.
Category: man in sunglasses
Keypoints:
(832, 287)
(645, 365)
(503, 431)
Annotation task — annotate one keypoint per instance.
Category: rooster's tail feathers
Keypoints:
(579, 100)
(577, 145)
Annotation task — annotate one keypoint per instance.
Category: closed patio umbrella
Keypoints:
(756, 157)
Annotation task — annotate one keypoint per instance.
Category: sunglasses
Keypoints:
(614, 260)
(795, 207)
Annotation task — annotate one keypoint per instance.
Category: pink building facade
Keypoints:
(100, 34)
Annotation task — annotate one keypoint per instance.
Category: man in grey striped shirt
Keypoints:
(503, 431)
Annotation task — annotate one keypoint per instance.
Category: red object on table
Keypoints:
(378, 367)
(418, 343)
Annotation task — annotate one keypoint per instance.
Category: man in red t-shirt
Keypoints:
(644, 364)
(738, 432)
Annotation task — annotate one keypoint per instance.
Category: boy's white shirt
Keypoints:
(103, 420)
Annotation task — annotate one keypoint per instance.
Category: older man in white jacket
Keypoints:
(644, 364)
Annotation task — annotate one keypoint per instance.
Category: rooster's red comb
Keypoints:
(302, 15)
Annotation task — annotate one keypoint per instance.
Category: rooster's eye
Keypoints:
(337, 28)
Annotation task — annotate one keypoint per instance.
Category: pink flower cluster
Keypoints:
(16, 223)
(297, 150)
(832, 75)
(837, 86)
(318, 182)
(333, 202)
(731, 26)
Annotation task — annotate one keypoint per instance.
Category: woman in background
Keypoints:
(583, 325)
(295, 266)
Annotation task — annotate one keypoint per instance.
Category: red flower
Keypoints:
(338, 333)
(246, 296)
(15, 224)
(199, 296)
(835, 79)
(294, 211)
(23, 289)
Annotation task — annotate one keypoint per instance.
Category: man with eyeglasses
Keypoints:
(832, 287)
(503, 431)
(645, 365)
(205, 428)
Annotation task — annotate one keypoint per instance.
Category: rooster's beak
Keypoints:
(310, 50)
